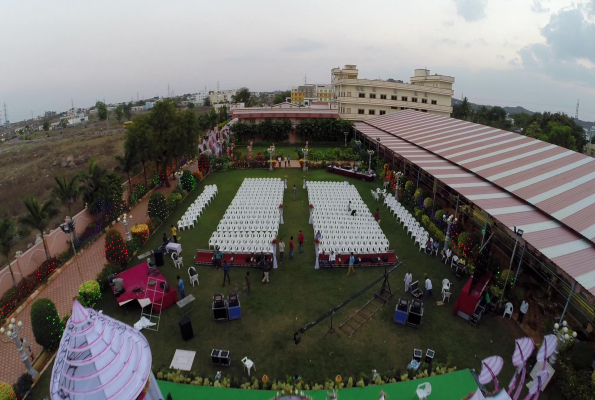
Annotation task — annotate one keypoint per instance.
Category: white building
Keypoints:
(200, 98)
(77, 119)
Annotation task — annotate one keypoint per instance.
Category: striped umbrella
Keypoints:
(523, 349)
(548, 347)
(490, 368)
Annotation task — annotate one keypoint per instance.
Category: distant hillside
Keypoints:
(517, 110)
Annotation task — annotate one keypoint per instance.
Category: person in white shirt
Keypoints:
(408, 279)
(331, 258)
(428, 288)
(523, 311)
(446, 253)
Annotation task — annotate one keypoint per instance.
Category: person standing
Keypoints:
(279, 160)
(301, 242)
(523, 310)
(291, 253)
(331, 259)
(174, 232)
(377, 216)
(318, 235)
(217, 258)
(351, 263)
(281, 249)
(294, 192)
(165, 239)
(248, 282)
(181, 286)
(267, 270)
(408, 279)
(289, 160)
(428, 287)
(226, 269)
(285, 159)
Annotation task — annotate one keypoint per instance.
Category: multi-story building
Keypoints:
(359, 99)
(305, 95)
(223, 96)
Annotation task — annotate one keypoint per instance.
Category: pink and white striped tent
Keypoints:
(101, 358)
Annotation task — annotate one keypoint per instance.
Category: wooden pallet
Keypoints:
(364, 314)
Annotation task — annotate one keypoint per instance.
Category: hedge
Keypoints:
(46, 324)
(89, 293)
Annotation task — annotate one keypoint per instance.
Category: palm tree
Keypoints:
(127, 164)
(8, 231)
(91, 181)
(67, 192)
(39, 217)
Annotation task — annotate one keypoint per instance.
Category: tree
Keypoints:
(63, 123)
(119, 112)
(462, 110)
(91, 182)
(222, 114)
(139, 142)
(141, 103)
(187, 181)
(46, 125)
(102, 191)
(46, 324)
(8, 231)
(7, 392)
(533, 130)
(67, 191)
(157, 207)
(243, 95)
(128, 110)
(38, 217)
(280, 97)
(164, 122)
(101, 110)
(207, 102)
(191, 105)
(127, 164)
(116, 251)
(561, 136)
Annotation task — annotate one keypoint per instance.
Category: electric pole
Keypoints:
(576, 116)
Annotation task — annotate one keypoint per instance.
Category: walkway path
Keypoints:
(64, 288)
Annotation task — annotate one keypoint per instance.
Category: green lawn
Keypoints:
(298, 294)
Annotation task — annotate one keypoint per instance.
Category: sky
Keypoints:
(539, 54)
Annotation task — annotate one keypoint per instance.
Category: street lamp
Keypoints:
(124, 219)
(305, 151)
(346, 134)
(370, 152)
(399, 176)
(271, 150)
(563, 337)
(449, 221)
(68, 228)
(13, 333)
(519, 234)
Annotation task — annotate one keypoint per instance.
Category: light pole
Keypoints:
(399, 176)
(563, 337)
(305, 151)
(13, 333)
(271, 150)
(519, 234)
(346, 134)
(124, 219)
(68, 228)
(370, 152)
(449, 221)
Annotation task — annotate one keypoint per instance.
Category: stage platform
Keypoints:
(367, 260)
(137, 278)
(205, 257)
(452, 386)
(351, 173)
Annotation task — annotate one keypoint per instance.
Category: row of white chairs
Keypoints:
(197, 207)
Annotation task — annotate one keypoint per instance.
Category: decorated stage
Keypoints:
(452, 386)
(361, 260)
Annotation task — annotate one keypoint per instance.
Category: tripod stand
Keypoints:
(331, 330)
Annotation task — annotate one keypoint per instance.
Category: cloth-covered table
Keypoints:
(177, 247)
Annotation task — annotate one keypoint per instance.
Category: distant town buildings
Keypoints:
(359, 99)
(293, 112)
(305, 95)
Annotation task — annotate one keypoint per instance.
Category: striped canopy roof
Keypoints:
(543, 189)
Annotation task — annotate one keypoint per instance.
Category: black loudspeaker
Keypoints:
(158, 258)
(225, 357)
(186, 329)
(216, 357)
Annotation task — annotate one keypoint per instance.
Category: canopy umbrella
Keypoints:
(548, 347)
(523, 348)
(490, 368)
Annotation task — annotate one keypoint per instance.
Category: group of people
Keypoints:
(286, 159)
(427, 284)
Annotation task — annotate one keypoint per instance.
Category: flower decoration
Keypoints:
(311, 206)
(316, 240)
(265, 379)
(281, 206)
(275, 241)
(338, 379)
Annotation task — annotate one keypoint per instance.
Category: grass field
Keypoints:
(299, 294)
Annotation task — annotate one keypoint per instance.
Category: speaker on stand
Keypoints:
(158, 258)
(186, 329)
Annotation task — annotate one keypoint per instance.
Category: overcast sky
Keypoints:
(536, 53)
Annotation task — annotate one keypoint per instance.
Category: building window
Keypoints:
(361, 111)
(348, 94)
(362, 95)
(372, 95)
(393, 97)
(348, 110)
(424, 101)
(372, 112)
(402, 108)
(434, 102)
(382, 112)
(403, 98)
(424, 110)
(383, 96)
(414, 99)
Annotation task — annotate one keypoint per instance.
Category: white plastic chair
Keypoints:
(248, 364)
(446, 295)
(508, 310)
(445, 285)
(193, 278)
(423, 390)
(176, 262)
